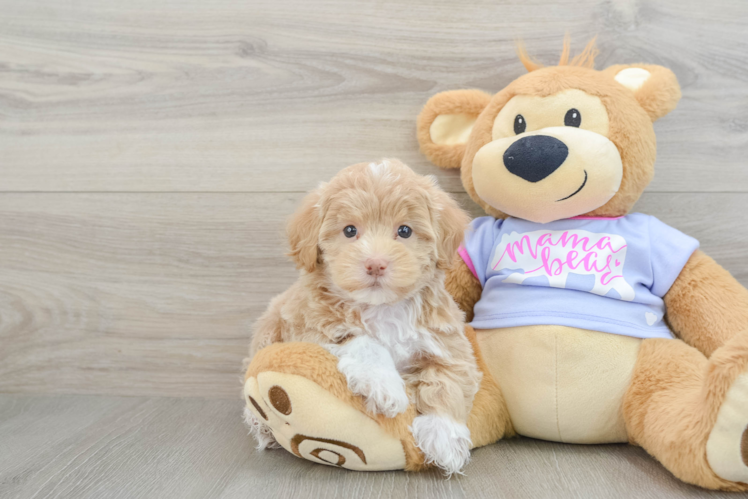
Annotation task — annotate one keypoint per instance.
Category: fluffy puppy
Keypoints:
(373, 245)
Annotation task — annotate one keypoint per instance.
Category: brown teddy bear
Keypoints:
(590, 324)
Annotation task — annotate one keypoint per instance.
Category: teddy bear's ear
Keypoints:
(445, 124)
(655, 87)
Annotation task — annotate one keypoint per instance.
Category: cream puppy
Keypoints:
(373, 245)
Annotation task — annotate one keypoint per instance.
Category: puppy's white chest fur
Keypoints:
(396, 327)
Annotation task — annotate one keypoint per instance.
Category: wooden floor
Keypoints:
(105, 446)
(150, 152)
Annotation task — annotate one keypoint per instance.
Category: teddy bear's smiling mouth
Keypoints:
(580, 188)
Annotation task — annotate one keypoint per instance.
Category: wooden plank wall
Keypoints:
(150, 152)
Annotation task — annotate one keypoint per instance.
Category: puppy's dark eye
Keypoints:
(404, 231)
(519, 124)
(350, 231)
(573, 118)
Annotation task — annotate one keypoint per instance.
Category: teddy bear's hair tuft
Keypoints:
(585, 59)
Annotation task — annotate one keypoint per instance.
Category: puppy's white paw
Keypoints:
(261, 432)
(444, 442)
(383, 389)
(371, 373)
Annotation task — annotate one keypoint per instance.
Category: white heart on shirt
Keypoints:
(651, 318)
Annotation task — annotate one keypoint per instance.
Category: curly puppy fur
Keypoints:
(261, 432)
(403, 311)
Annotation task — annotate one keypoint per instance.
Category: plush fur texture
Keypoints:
(469, 102)
(488, 422)
(585, 59)
(660, 93)
(412, 327)
(673, 401)
(679, 387)
(315, 363)
(464, 286)
(681, 401)
(630, 115)
(630, 129)
(706, 306)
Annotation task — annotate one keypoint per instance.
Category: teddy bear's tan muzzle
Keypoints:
(548, 174)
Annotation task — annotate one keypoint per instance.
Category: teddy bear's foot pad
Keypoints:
(313, 424)
(727, 447)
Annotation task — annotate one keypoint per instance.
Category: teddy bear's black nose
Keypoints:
(535, 157)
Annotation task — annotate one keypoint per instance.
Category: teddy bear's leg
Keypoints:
(294, 391)
(690, 412)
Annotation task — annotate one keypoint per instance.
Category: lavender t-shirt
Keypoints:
(603, 274)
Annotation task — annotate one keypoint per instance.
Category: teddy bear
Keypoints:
(590, 324)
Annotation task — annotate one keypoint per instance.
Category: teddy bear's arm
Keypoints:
(463, 286)
(706, 305)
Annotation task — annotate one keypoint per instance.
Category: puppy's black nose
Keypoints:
(535, 157)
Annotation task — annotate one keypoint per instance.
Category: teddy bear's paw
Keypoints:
(444, 442)
(727, 447)
(261, 432)
(371, 373)
(312, 423)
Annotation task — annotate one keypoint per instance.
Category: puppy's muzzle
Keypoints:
(375, 267)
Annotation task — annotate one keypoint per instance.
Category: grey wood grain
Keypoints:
(154, 294)
(113, 447)
(274, 95)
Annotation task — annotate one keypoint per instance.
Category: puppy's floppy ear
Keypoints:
(655, 87)
(449, 222)
(445, 124)
(303, 231)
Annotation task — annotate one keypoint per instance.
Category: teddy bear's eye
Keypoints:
(519, 124)
(573, 118)
(350, 231)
